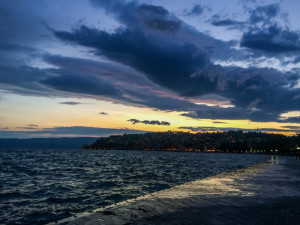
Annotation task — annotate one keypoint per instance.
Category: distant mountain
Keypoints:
(65, 142)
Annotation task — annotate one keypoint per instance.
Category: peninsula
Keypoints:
(230, 141)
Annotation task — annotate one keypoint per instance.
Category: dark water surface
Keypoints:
(41, 186)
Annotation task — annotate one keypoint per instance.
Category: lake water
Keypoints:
(41, 186)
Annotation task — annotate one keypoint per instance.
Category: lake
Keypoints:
(40, 186)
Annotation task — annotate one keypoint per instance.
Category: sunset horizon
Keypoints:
(97, 68)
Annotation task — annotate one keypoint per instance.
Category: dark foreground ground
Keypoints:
(267, 193)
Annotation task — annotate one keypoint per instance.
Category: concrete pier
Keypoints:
(267, 193)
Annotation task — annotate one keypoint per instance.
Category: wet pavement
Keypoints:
(267, 193)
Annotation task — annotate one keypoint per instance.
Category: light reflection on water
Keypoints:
(274, 159)
(40, 186)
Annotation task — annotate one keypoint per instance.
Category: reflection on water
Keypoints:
(274, 159)
(40, 186)
(221, 186)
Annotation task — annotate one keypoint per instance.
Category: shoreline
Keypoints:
(288, 154)
(214, 200)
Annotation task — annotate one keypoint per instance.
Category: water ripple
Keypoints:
(41, 186)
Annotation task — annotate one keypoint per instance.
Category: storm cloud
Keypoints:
(185, 68)
(155, 59)
(188, 71)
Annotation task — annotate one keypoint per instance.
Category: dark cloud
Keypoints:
(210, 112)
(291, 127)
(158, 59)
(266, 111)
(23, 79)
(103, 113)
(196, 10)
(70, 103)
(168, 28)
(158, 18)
(68, 131)
(74, 76)
(267, 35)
(80, 84)
(150, 122)
(219, 122)
(135, 88)
(259, 94)
(254, 93)
(134, 121)
(15, 75)
(165, 103)
(225, 22)
(108, 71)
(264, 13)
(290, 120)
(62, 81)
(273, 40)
(138, 15)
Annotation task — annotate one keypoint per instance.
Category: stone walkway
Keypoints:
(267, 193)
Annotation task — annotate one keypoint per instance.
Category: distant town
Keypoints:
(230, 141)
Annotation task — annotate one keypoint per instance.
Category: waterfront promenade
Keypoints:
(267, 193)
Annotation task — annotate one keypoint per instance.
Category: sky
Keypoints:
(102, 67)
